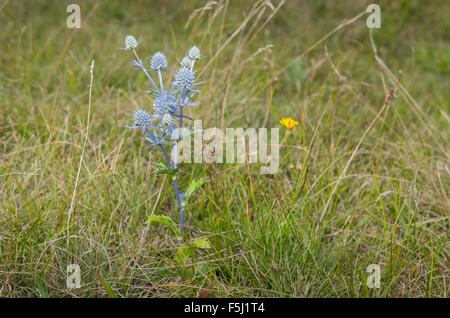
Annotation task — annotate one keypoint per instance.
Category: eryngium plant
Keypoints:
(159, 127)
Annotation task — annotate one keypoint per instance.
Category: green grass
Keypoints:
(391, 207)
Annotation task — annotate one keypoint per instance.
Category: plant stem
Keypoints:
(175, 163)
(145, 71)
(180, 204)
(175, 183)
(160, 81)
(82, 153)
(165, 155)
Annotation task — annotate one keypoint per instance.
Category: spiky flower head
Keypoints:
(160, 105)
(186, 62)
(142, 118)
(167, 119)
(194, 53)
(164, 104)
(130, 42)
(184, 78)
(158, 62)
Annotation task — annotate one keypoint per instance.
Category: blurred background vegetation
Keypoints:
(264, 60)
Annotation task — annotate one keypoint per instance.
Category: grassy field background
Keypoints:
(264, 61)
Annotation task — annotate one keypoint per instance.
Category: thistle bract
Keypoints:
(158, 62)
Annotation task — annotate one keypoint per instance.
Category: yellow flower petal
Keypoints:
(289, 123)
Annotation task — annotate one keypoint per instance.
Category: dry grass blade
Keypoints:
(389, 97)
(91, 70)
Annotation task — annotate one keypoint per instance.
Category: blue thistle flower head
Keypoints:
(165, 104)
(184, 78)
(158, 62)
(142, 118)
(194, 53)
(131, 43)
(167, 119)
(186, 62)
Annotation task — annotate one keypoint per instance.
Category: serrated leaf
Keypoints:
(165, 220)
(161, 168)
(186, 250)
(193, 186)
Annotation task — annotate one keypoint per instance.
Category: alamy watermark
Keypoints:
(374, 19)
(373, 280)
(234, 145)
(74, 19)
(73, 276)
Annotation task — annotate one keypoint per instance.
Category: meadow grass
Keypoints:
(310, 230)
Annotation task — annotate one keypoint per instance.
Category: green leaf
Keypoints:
(201, 243)
(167, 221)
(161, 168)
(193, 186)
(183, 253)
(186, 250)
(205, 268)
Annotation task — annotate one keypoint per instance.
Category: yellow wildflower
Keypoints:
(289, 123)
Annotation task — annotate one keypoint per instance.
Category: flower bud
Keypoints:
(131, 43)
(158, 62)
(194, 53)
(186, 62)
(184, 78)
(142, 118)
(167, 119)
